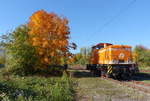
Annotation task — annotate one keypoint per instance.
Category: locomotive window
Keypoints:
(99, 47)
(96, 48)
(114, 48)
(128, 49)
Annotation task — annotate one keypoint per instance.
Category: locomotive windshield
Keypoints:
(99, 47)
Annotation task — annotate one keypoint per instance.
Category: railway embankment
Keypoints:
(91, 88)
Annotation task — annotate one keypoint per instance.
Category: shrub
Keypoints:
(141, 55)
(36, 89)
(21, 56)
(81, 58)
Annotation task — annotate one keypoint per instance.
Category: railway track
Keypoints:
(145, 71)
(142, 83)
(135, 84)
(138, 85)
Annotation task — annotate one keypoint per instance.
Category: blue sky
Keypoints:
(87, 19)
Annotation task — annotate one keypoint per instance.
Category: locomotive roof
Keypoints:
(119, 46)
(101, 44)
(108, 45)
(115, 46)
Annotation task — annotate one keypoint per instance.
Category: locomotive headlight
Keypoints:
(121, 55)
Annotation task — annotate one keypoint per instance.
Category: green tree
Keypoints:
(2, 57)
(21, 56)
(82, 57)
(141, 55)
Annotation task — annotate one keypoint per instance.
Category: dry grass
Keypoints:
(96, 89)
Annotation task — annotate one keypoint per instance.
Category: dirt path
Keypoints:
(96, 89)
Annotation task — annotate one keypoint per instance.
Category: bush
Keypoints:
(36, 89)
(141, 55)
(21, 56)
(81, 58)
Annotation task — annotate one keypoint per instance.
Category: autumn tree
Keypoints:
(49, 33)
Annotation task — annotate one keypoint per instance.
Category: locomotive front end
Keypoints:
(118, 61)
(112, 61)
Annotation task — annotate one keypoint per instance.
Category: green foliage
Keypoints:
(83, 57)
(2, 57)
(62, 89)
(36, 89)
(142, 56)
(21, 56)
(2, 60)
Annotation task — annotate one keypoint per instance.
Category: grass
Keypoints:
(35, 88)
(144, 68)
(146, 81)
(88, 88)
(97, 89)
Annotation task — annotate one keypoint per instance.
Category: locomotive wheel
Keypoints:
(95, 73)
(125, 76)
(115, 76)
(108, 75)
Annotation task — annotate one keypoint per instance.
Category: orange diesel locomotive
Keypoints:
(112, 61)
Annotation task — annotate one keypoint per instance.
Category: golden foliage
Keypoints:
(49, 33)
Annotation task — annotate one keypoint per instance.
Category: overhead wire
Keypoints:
(113, 18)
